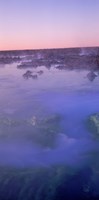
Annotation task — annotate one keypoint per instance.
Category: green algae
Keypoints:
(46, 131)
(93, 124)
(43, 132)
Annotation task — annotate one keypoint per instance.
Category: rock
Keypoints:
(48, 130)
(24, 65)
(34, 76)
(9, 122)
(91, 76)
(93, 124)
(40, 72)
(45, 131)
(29, 74)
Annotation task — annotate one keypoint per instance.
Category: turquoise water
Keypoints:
(64, 93)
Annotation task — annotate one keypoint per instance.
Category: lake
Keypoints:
(46, 149)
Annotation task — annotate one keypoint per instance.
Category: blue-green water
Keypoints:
(72, 97)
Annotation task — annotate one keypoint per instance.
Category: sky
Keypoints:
(41, 24)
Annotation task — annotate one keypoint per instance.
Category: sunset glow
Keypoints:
(37, 24)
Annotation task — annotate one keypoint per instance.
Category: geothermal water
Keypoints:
(66, 93)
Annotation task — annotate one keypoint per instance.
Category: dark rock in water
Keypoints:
(34, 76)
(97, 60)
(25, 65)
(91, 76)
(29, 74)
(93, 124)
(60, 67)
(9, 59)
(40, 72)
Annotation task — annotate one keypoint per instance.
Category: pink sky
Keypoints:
(51, 24)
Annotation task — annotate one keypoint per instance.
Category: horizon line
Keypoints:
(54, 48)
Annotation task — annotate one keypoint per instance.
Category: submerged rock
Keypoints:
(34, 76)
(43, 132)
(29, 74)
(93, 124)
(9, 122)
(24, 65)
(46, 130)
(5, 121)
(91, 76)
(40, 72)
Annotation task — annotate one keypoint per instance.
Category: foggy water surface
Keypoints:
(67, 93)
